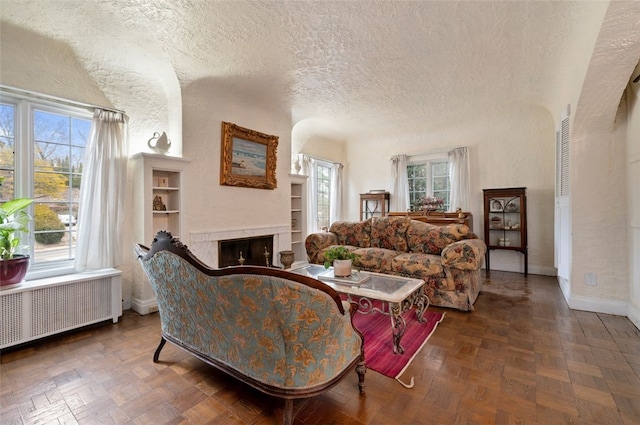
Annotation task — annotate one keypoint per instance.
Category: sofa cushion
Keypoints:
(375, 259)
(417, 265)
(390, 233)
(431, 239)
(353, 233)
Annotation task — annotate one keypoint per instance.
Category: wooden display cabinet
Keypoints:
(505, 222)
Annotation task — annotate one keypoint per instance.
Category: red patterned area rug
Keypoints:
(378, 341)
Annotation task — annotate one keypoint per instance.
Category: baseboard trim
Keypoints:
(634, 314)
(597, 305)
(144, 306)
(515, 268)
(565, 287)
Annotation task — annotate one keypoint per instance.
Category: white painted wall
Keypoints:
(211, 206)
(39, 64)
(322, 146)
(599, 210)
(633, 194)
(599, 182)
(511, 148)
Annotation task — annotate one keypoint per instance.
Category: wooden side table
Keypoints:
(374, 204)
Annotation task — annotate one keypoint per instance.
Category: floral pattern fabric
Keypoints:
(416, 265)
(271, 329)
(432, 239)
(390, 233)
(353, 233)
(447, 258)
(458, 290)
(464, 255)
(374, 259)
(319, 242)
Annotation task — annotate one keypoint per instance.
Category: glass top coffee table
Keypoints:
(397, 294)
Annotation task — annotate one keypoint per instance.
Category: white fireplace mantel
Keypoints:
(204, 244)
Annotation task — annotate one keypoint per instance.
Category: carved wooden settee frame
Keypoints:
(159, 273)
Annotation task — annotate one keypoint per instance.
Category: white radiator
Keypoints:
(45, 307)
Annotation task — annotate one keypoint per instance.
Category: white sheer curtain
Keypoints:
(400, 198)
(102, 193)
(335, 193)
(459, 177)
(309, 170)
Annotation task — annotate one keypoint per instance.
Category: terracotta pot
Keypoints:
(342, 268)
(13, 271)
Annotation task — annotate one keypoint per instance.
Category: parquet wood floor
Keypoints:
(523, 357)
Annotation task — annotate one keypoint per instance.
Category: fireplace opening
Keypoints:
(252, 250)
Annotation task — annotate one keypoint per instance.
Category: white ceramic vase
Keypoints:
(342, 268)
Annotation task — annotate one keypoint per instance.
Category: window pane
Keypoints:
(59, 146)
(440, 168)
(428, 179)
(50, 127)
(80, 129)
(7, 143)
(417, 184)
(323, 195)
(440, 184)
(44, 163)
(417, 172)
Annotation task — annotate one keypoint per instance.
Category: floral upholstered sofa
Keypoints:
(448, 258)
(287, 335)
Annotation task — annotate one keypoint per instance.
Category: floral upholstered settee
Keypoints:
(284, 334)
(448, 258)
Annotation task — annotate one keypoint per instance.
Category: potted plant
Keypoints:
(13, 219)
(341, 259)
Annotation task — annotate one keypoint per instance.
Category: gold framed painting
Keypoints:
(248, 158)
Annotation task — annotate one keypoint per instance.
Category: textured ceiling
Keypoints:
(352, 68)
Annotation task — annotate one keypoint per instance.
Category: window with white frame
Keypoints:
(322, 195)
(42, 147)
(428, 178)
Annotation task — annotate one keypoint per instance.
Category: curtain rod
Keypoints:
(319, 159)
(433, 151)
(56, 99)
